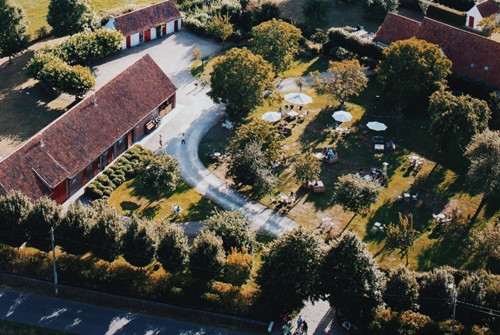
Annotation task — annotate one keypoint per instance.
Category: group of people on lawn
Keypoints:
(302, 326)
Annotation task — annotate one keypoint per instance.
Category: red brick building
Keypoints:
(66, 154)
(472, 55)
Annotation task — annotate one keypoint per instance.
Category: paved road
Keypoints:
(78, 318)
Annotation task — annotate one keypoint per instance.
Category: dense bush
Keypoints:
(14, 210)
(460, 5)
(233, 228)
(125, 168)
(340, 37)
(446, 14)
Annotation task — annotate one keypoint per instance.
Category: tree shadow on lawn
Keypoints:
(446, 251)
(201, 210)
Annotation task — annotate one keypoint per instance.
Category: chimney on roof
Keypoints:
(42, 143)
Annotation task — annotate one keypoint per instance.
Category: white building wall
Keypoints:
(180, 23)
(110, 25)
(124, 43)
(474, 12)
(170, 27)
(134, 39)
(153, 33)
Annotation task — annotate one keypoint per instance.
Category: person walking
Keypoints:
(304, 327)
(183, 139)
(299, 319)
(161, 141)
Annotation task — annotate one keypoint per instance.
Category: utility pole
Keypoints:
(454, 309)
(56, 289)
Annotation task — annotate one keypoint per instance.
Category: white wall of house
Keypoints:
(170, 27)
(134, 39)
(474, 12)
(153, 33)
(111, 24)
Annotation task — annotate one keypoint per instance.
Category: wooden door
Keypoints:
(130, 139)
(176, 25)
(164, 29)
(147, 35)
(471, 21)
(129, 42)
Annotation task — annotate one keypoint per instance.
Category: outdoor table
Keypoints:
(368, 177)
(379, 147)
(217, 154)
(292, 114)
(320, 155)
(318, 187)
(378, 226)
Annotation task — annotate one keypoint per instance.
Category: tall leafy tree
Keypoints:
(401, 236)
(44, 215)
(277, 42)
(411, 70)
(137, 242)
(455, 119)
(350, 278)
(68, 17)
(260, 132)
(233, 228)
(484, 242)
(472, 289)
(239, 79)
(13, 30)
(206, 257)
(14, 209)
(288, 271)
(344, 79)
(355, 193)
(172, 247)
(72, 228)
(401, 291)
(160, 172)
(307, 168)
(105, 232)
(221, 27)
(435, 294)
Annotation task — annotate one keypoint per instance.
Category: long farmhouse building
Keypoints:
(146, 24)
(70, 151)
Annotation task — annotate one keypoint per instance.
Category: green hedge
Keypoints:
(340, 37)
(446, 14)
(125, 168)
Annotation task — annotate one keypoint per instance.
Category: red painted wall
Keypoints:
(59, 193)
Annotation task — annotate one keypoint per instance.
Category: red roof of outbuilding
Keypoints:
(78, 137)
(396, 27)
(147, 17)
(487, 8)
(471, 54)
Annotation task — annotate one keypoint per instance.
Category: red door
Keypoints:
(147, 35)
(164, 29)
(129, 43)
(130, 139)
(176, 25)
(96, 166)
(471, 21)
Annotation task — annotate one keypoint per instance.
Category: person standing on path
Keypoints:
(183, 140)
(161, 141)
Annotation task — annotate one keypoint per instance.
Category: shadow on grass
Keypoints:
(447, 252)
(200, 211)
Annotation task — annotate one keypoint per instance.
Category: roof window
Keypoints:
(486, 68)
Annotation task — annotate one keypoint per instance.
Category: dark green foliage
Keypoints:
(206, 257)
(435, 295)
(137, 243)
(315, 9)
(172, 247)
(160, 172)
(44, 215)
(340, 37)
(13, 35)
(14, 209)
(401, 291)
(350, 279)
(355, 193)
(233, 228)
(446, 15)
(460, 5)
(289, 269)
(105, 232)
(72, 228)
(68, 17)
(377, 9)
(472, 290)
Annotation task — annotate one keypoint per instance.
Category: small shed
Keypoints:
(146, 24)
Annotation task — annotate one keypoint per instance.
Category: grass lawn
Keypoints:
(340, 14)
(25, 107)
(36, 11)
(12, 328)
(133, 198)
(439, 187)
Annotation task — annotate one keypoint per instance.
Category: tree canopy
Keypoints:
(350, 278)
(455, 119)
(277, 42)
(239, 79)
(138, 243)
(483, 153)
(160, 172)
(344, 79)
(206, 257)
(307, 168)
(233, 228)
(13, 29)
(14, 209)
(401, 236)
(68, 17)
(412, 69)
(355, 193)
(435, 294)
(172, 247)
(401, 291)
(220, 27)
(289, 268)
(44, 215)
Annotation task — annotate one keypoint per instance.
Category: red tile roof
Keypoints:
(396, 27)
(147, 17)
(487, 8)
(471, 54)
(78, 137)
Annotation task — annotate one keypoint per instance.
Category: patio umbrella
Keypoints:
(342, 116)
(298, 98)
(271, 116)
(377, 126)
